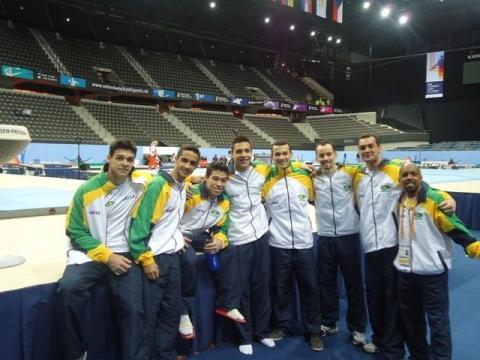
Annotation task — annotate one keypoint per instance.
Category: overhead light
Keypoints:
(146, 35)
(213, 46)
(403, 19)
(213, 4)
(67, 19)
(267, 20)
(366, 5)
(312, 33)
(108, 28)
(338, 41)
(21, 7)
(330, 38)
(385, 12)
(292, 27)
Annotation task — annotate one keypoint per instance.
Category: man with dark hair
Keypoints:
(377, 189)
(205, 226)
(249, 234)
(287, 192)
(97, 226)
(155, 240)
(338, 243)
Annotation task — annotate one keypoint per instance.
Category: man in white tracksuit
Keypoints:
(287, 192)
(377, 190)
(423, 261)
(338, 243)
(248, 233)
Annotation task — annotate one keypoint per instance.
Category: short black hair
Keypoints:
(125, 144)
(324, 142)
(240, 139)
(366, 136)
(281, 143)
(191, 148)
(216, 166)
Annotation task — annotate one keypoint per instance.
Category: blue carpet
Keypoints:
(464, 301)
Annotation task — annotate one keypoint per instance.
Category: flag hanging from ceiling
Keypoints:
(290, 3)
(307, 6)
(322, 8)
(337, 13)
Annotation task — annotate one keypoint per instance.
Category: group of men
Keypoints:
(140, 234)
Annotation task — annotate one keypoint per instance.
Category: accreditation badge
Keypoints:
(404, 256)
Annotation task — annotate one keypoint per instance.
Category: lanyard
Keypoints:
(411, 205)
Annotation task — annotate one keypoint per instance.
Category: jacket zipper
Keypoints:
(373, 211)
(289, 210)
(333, 207)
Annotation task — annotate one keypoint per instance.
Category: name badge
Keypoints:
(404, 256)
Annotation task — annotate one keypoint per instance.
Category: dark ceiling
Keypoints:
(235, 29)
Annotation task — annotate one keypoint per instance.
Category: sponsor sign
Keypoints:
(203, 97)
(270, 104)
(312, 108)
(221, 99)
(300, 107)
(239, 101)
(17, 72)
(181, 95)
(46, 77)
(286, 106)
(120, 88)
(73, 81)
(326, 109)
(164, 93)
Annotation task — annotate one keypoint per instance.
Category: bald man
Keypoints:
(423, 260)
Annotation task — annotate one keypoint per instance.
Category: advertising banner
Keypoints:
(73, 81)
(435, 74)
(17, 72)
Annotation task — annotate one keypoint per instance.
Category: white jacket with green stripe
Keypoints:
(86, 222)
(154, 229)
(205, 214)
(334, 202)
(287, 193)
(430, 249)
(377, 196)
(247, 213)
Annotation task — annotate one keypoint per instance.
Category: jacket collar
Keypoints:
(167, 177)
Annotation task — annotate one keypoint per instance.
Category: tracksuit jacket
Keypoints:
(156, 217)
(86, 221)
(377, 195)
(287, 193)
(202, 214)
(334, 202)
(426, 233)
(250, 219)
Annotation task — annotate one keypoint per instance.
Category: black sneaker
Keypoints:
(277, 334)
(316, 343)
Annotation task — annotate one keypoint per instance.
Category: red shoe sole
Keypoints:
(224, 313)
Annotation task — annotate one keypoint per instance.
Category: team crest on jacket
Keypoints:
(109, 203)
(302, 197)
(347, 187)
(215, 212)
(418, 216)
(386, 187)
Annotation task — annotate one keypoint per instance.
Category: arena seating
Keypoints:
(218, 128)
(345, 126)
(93, 55)
(173, 72)
(294, 88)
(48, 118)
(19, 48)
(280, 128)
(237, 80)
(445, 146)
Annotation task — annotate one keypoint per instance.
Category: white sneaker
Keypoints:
(330, 330)
(268, 342)
(186, 327)
(246, 349)
(358, 338)
(371, 348)
(236, 315)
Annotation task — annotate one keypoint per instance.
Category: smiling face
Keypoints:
(281, 155)
(215, 182)
(185, 163)
(242, 155)
(120, 164)
(370, 151)
(326, 157)
(410, 178)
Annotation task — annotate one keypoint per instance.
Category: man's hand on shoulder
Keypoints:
(448, 206)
